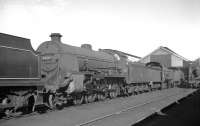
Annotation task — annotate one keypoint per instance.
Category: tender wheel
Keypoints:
(31, 104)
(90, 98)
(115, 91)
(78, 99)
(112, 94)
(101, 96)
(118, 91)
(51, 101)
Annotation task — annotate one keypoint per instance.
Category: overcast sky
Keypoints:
(133, 26)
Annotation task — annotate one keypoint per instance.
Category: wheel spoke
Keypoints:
(90, 98)
(78, 100)
(51, 101)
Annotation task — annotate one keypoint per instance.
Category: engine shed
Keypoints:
(168, 59)
(165, 56)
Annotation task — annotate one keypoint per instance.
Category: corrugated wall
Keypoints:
(162, 59)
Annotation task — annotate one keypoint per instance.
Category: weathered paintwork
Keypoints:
(17, 59)
(138, 73)
(59, 59)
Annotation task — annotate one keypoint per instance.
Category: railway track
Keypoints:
(127, 108)
(47, 110)
(123, 111)
(17, 116)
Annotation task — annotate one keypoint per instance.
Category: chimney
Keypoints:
(56, 37)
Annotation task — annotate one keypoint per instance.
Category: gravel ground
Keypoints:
(186, 113)
(74, 115)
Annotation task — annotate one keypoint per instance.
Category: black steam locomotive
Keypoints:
(58, 73)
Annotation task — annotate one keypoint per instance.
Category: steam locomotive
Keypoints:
(57, 74)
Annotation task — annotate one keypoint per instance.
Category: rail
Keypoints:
(128, 109)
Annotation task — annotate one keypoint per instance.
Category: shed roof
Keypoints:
(166, 49)
(122, 53)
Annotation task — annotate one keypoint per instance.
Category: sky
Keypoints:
(133, 26)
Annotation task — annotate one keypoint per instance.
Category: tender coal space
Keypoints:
(185, 113)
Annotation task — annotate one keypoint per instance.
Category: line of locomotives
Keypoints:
(57, 74)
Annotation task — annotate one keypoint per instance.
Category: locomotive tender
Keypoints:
(19, 73)
(59, 73)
